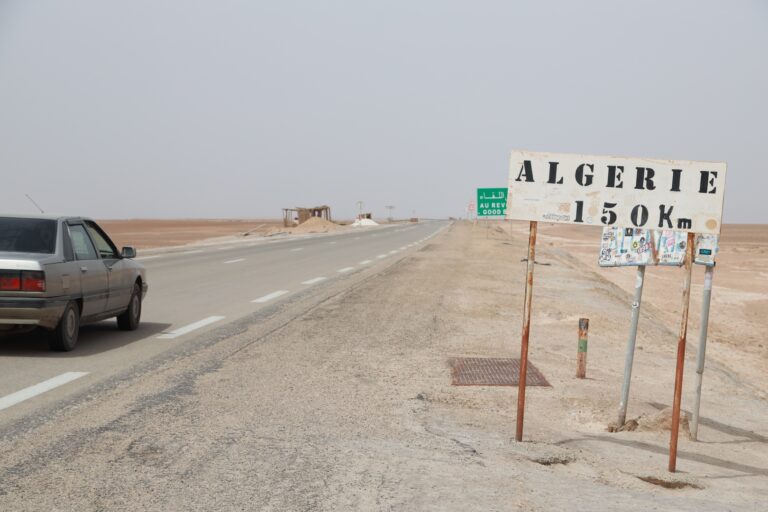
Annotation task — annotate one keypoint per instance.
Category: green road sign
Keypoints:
(491, 202)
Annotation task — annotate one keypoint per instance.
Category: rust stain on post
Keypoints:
(581, 354)
(526, 332)
(681, 355)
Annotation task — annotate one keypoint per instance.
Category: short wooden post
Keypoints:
(581, 355)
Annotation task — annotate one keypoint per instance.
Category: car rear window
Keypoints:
(27, 235)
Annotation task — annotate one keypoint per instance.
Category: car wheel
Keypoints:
(129, 320)
(64, 337)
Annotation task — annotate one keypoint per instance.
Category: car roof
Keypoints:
(41, 216)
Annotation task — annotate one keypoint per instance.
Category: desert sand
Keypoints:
(152, 233)
(342, 399)
(738, 326)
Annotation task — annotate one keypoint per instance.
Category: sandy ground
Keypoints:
(151, 233)
(739, 299)
(341, 400)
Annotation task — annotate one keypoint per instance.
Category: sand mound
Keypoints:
(313, 225)
(662, 420)
(658, 422)
(316, 225)
(364, 222)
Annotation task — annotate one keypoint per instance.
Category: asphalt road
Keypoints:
(192, 291)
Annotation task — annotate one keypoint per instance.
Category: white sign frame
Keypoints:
(591, 190)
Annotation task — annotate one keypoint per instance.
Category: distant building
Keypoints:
(299, 215)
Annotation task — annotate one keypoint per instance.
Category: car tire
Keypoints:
(64, 337)
(129, 320)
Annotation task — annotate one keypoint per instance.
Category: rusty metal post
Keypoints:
(705, 301)
(681, 355)
(581, 354)
(526, 331)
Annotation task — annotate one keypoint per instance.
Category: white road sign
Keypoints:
(614, 191)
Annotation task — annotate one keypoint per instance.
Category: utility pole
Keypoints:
(360, 209)
(390, 208)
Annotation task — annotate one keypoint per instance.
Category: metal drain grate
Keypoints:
(492, 371)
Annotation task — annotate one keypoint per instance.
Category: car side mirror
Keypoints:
(128, 252)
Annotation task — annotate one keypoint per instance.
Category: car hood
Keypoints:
(26, 260)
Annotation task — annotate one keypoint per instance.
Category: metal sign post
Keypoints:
(708, 274)
(526, 331)
(629, 359)
(630, 247)
(679, 196)
(681, 355)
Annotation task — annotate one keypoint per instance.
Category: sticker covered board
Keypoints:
(623, 247)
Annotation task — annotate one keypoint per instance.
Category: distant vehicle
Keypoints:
(58, 273)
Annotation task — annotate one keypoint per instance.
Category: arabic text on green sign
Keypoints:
(491, 202)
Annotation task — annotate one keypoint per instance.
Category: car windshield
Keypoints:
(27, 235)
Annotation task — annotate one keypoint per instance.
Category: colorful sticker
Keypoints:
(671, 247)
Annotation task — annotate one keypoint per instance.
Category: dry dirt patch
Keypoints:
(151, 233)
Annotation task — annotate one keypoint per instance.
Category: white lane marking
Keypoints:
(238, 260)
(345, 269)
(329, 243)
(145, 258)
(270, 296)
(403, 247)
(38, 389)
(315, 280)
(393, 252)
(198, 251)
(382, 256)
(365, 262)
(357, 238)
(181, 331)
(297, 249)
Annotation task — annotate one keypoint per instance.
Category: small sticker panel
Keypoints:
(671, 248)
(706, 249)
(622, 247)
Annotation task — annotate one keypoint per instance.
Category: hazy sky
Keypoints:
(239, 108)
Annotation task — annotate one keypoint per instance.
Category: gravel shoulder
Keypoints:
(340, 399)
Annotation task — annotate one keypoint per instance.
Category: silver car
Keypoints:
(58, 273)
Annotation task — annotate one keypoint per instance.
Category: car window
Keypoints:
(105, 247)
(81, 244)
(27, 235)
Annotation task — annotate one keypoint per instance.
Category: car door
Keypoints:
(118, 271)
(93, 272)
